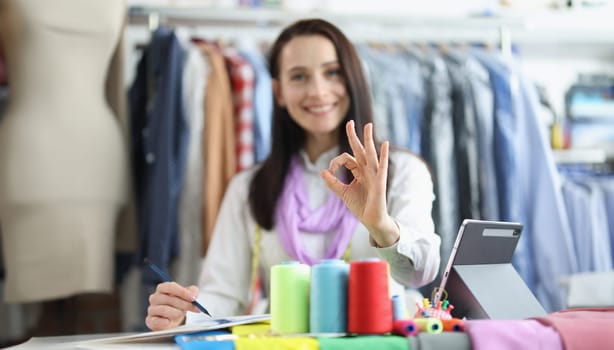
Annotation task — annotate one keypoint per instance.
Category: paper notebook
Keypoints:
(205, 325)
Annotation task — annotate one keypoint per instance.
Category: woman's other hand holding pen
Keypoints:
(168, 305)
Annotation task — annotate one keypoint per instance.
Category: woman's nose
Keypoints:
(317, 87)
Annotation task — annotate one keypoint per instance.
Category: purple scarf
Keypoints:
(293, 215)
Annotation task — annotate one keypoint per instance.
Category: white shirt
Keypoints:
(414, 259)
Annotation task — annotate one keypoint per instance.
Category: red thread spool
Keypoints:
(404, 328)
(369, 306)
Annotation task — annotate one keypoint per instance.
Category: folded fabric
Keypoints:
(276, 343)
(445, 340)
(252, 329)
(208, 340)
(590, 289)
(389, 342)
(512, 335)
(586, 328)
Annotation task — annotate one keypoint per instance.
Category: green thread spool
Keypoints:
(290, 298)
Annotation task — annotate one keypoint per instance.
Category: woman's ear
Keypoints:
(277, 93)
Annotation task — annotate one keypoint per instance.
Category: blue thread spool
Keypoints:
(328, 297)
(398, 308)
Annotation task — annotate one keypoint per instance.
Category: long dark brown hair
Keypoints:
(287, 136)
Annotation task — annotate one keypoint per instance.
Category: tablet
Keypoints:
(480, 280)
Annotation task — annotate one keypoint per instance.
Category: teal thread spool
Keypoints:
(290, 298)
(328, 297)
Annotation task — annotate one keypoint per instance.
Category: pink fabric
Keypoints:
(293, 214)
(588, 328)
(512, 335)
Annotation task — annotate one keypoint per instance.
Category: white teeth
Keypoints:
(320, 109)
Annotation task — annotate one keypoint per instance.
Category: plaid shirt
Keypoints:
(242, 79)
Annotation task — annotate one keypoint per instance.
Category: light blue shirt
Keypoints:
(506, 153)
(263, 104)
(607, 183)
(547, 230)
(585, 199)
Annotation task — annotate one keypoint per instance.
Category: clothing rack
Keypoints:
(265, 24)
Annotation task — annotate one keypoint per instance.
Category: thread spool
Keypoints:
(290, 298)
(398, 308)
(369, 306)
(404, 328)
(328, 297)
(453, 325)
(429, 325)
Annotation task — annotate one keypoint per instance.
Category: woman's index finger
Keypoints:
(355, 144)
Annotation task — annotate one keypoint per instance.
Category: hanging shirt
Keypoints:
(190, 206)
(159, 142)
(548, 243)
(414, 259)
(242, 79)
(263, 104)
(219, 137)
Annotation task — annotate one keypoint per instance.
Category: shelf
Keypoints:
(546, 28)
(581, 155)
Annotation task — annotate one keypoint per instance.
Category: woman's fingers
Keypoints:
(163, 317)
(366, 166)
(365, 162)
(168, 305)
(332, 182)
(382, 169)
(173, 288)
(370, 152)
(156, 323)
(343, 160)
(165, 311)
(193, 290)
(355, 145)
(176, 295)
(366, 155)
(175, 299)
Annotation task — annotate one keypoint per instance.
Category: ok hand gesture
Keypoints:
(365, 196)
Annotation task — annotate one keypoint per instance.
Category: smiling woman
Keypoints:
(293, 207)
(311, 87)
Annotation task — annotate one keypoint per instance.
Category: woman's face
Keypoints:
(311, 86)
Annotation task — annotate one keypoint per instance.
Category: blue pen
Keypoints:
(167, 278)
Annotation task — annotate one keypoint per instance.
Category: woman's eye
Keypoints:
(333, 72)
(297, 77)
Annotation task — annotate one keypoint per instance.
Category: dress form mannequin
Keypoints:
(63, 159)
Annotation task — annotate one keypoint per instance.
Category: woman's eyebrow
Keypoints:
(324, 64)
(295, 68)
(330, 63)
